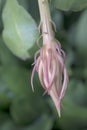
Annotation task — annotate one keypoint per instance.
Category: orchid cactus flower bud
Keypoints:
(50, 67)
(49, 61)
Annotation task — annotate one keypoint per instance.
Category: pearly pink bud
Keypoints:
(52, 72)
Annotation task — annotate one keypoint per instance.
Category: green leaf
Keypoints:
(14, 76)
(5, 95)
(16, 79)
(3, 117)
(20, 30)
(24, 3)
(77, 92)
(6, 58)
(0, 5)
(81, 35)
(43, 123)
(70, 5)
(25, 109)
(73, 117)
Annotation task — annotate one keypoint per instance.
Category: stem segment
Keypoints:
(46, 22)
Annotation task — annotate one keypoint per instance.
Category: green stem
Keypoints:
(46, 21)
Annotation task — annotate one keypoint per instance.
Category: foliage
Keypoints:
(70, 5)
(20, 108)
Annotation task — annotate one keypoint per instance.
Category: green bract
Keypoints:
(70, 5)
(20, 30)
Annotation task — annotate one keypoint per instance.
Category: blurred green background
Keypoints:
(20, 108)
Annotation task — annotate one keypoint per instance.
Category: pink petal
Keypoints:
(64, 84)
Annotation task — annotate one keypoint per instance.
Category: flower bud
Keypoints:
(52, 72)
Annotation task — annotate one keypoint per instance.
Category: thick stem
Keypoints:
(46, 23)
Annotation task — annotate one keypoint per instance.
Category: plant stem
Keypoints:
(46, 22)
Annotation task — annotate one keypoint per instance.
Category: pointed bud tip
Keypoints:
(59, 109)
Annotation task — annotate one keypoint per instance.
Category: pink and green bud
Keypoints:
(49, 61)
(50, 66)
